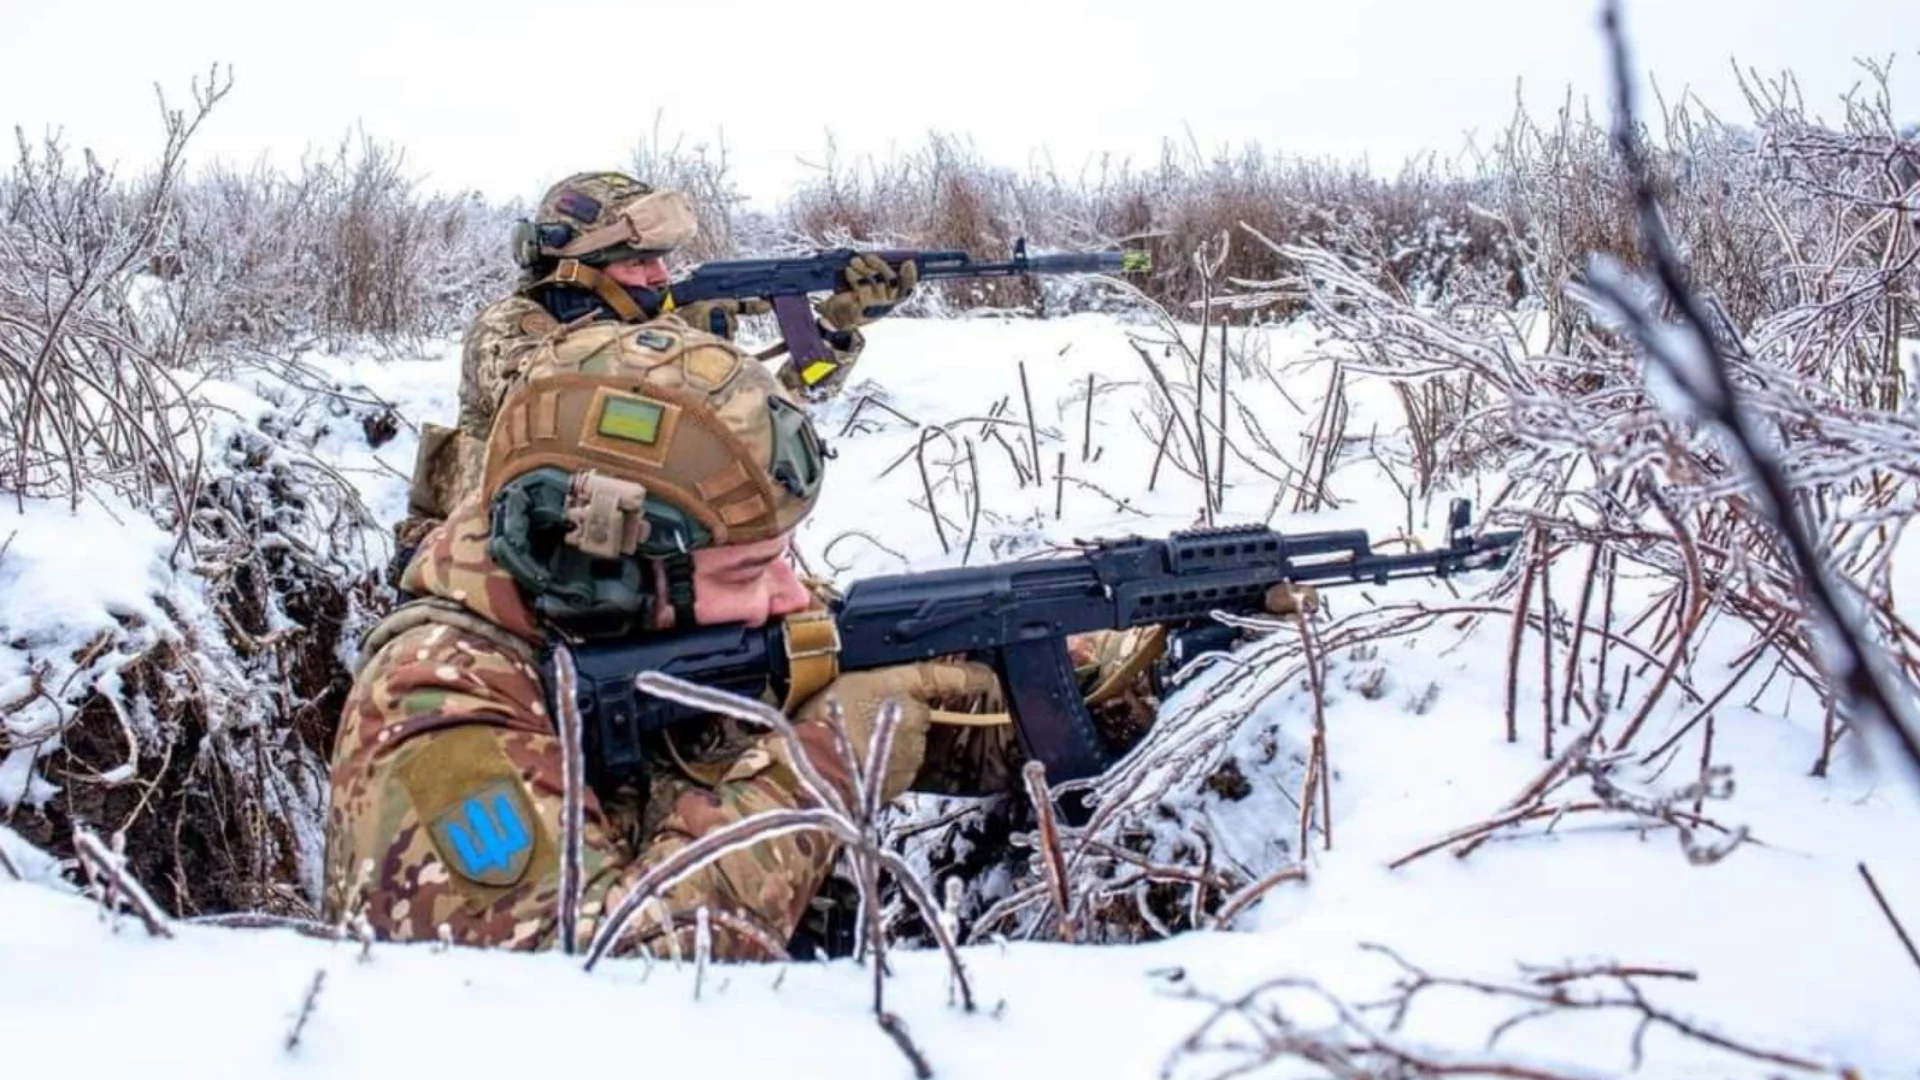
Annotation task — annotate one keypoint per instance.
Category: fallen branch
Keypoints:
(1887, 910)
(1239, 901)
(573, 777)
(307, 1004)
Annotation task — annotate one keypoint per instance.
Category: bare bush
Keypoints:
(1597, 447)
(345, 247)
(88, 394)
(1648, 527)
(1420, 223)
(198, 730)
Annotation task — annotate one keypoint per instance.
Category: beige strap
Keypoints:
(1146, 650)
(970, 719)
(579, 275)
(813, 655)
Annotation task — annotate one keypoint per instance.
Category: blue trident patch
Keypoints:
(488, 835)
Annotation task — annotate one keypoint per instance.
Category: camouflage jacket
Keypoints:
(447, 789)
(506, 330)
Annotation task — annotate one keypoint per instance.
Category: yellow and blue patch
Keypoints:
(487, 836)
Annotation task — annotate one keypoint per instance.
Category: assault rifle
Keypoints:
(1016, 617)
(786, 282)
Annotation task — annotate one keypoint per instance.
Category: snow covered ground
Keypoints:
(1790, 951)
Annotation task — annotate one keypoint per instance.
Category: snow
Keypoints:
(29, 862)
(84, 566)
(69, 575)
(1791, 952)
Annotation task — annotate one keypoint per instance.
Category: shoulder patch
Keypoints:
(653, 339)
(487, 837)
(474, 807)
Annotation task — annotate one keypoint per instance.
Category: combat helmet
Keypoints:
(591, 219)
(623, 444)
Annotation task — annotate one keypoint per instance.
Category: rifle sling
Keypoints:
(574, 273)
(813, 655)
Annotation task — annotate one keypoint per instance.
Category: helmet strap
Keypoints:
(680, 588)
(574, 274)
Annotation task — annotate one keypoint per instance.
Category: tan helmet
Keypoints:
(622, 443)
(600, 217)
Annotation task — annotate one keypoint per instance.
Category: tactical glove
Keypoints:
(920, 689)
(720, 317)
(873, 288)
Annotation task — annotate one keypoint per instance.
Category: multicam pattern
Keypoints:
(439, 711)
(501, 335)
(449, 704)
(498, 346)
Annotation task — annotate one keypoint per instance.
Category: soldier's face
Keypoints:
(649, 273)
(747, 583)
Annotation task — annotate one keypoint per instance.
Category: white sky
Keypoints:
(492, 95)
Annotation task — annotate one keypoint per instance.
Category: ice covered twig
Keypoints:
(1598, 988)
(849, 818)
(1291, 1020)
(572, 797)
(1693, 373)
(1052, 860)
(107, 869)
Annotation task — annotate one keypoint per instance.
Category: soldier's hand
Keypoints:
(721, 317)
(872, 289)
(920, 689)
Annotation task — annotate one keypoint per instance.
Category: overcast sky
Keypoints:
(506, 97)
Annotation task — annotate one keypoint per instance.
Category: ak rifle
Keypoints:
(786, 282)
(1017, 618)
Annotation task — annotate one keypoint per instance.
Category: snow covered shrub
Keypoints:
(1613, 469)
(345, 247)
(182, 580)
(1653, 602)
(1420, 223)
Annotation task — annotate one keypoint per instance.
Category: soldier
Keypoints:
(639, 478)
(593, 235)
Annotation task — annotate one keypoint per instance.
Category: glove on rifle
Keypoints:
(873, 288)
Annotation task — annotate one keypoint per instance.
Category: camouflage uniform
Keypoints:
(504, 332)
(446, 778)
(449, 703)
(440, 711)
(447, 771)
